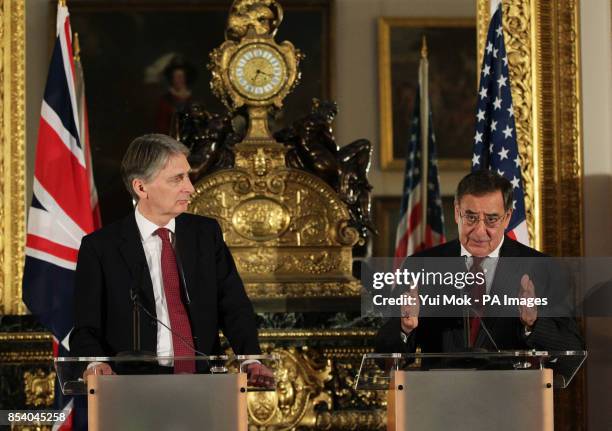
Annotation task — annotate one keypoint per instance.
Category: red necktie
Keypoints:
(182, 339)
(476, 293)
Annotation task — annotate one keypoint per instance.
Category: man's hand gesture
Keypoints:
(528, 315)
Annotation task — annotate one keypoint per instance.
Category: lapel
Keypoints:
(186, 245)
(132, 252)
(503, 271)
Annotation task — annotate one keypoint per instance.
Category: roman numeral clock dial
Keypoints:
(258, 71)
(255, 72)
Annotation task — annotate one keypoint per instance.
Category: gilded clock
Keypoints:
(258, 71)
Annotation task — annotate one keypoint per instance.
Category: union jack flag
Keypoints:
(410, 236)
(495, 144)
(64, 201)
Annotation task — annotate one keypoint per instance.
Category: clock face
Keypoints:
(258, 71)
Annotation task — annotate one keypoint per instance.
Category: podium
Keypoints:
(144, 394)
(475, 391)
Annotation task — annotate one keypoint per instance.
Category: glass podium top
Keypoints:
(71, 370)
(376, 368)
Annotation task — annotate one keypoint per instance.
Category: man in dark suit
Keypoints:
(176, 264)
(483, 207)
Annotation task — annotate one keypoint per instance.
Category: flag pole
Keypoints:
(424, 121)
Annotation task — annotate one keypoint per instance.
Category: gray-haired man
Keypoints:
(178, 264)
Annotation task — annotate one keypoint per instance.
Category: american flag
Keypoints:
(409, 237)
(495, 144)
(64, 202)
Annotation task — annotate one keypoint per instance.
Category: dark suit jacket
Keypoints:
(111, 262)
(446, 334)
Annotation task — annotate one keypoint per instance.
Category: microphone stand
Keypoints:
(466, 328)
(136, 346)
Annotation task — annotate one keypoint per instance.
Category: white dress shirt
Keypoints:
(152, 245)
(489, 264)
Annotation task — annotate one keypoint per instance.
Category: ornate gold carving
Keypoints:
(302, 290)
(12, 154)
(288, 230)
(482, 21)
(39, 387)
(317, 215)
(259, 163)
(264, 16)
(24, 347)
(260, 219)
(352, 420)
(564, 235)
(251, 69)
(3, 139)
(301, 376)
(267, 260)
(292, 334)
(517, 32)
(345, 378)
(6, 337)
(223, 86)
(308, 377)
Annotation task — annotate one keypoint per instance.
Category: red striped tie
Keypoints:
(182, 339)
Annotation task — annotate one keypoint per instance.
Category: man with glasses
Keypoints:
(483, 208)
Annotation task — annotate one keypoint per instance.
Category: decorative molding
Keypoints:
(12, 154)
(292, 334)
(26, 337)
(352, 420)
(517, 32)
(25, 347)
(271, 290)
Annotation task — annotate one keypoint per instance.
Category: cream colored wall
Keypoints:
(356, 74)
(596, 42)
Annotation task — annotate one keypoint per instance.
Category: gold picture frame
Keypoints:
(452, 43)
(12, 155)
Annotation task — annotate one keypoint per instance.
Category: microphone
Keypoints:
(135, 297)
(467, 310)
(182, 339)
(484, 326)
(466, 327)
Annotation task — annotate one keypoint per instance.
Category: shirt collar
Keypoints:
(147, 228)
(494, 253)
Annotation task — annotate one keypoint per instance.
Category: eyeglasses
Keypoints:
(489, 220)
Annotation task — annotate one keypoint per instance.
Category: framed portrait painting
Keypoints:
(451, 47)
